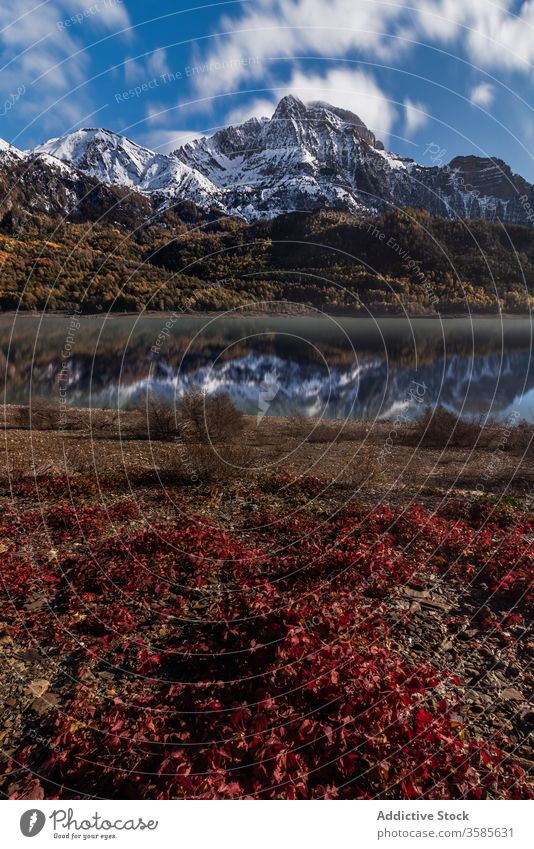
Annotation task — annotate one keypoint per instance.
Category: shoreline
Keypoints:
(250, 314)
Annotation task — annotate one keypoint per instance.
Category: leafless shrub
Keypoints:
(209, 419)
(199, 463)
(155, 420)
(39, 414)
(439, 428)
(106, 421)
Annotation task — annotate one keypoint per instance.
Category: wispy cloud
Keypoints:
(146, 68)
(415, 116)
(41, 48)
(259, 108)
(494, 34)
(482, 94)
(271, 30)
(276, 32)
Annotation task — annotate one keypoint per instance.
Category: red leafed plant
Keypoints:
(254, 662)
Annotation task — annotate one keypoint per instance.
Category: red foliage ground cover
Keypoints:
(204, 662)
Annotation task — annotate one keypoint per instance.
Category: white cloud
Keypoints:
(133, 70)
(482, 94)
(158, 113)
(42, 50)
(271, 31)
(288, 28)
(112, 14)
(146, 68)
(157, 62)
(260, 108)
(440, 20)
(415, 116)
(495, 34)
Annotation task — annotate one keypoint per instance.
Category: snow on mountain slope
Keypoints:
(303, 157)
(115, 160)
(109, 157)
(306, 156)
(7, 149)
(317, 156)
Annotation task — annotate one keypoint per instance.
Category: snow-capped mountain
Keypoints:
(36, 182)
(316, 156)
(8, 151)
(115, 160)
(306, 156)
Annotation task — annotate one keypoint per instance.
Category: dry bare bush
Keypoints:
(439, 428)
(39, 414)
(155, 420)
(199, 463)
(103, 420)
(209, 419)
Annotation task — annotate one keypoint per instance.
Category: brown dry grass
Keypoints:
(358, 463)
(40, 414)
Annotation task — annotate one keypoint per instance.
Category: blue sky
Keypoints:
(450, 74)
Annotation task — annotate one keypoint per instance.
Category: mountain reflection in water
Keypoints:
(330, 367)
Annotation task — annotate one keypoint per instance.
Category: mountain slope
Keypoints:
(305, 157)
(36, 185)
(116, 161)
(315, 156)
(7, 151)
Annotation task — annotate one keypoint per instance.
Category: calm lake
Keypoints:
(330, 367)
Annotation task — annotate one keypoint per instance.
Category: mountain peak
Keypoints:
(348, 117)
(7, 148)
(290, 107)
(308, 156)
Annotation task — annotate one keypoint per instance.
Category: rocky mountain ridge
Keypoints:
(305, 157)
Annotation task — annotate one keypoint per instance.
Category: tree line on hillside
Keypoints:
(400, 261)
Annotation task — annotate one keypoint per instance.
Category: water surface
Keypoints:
(317, 366)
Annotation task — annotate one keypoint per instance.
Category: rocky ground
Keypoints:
(444, 582)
